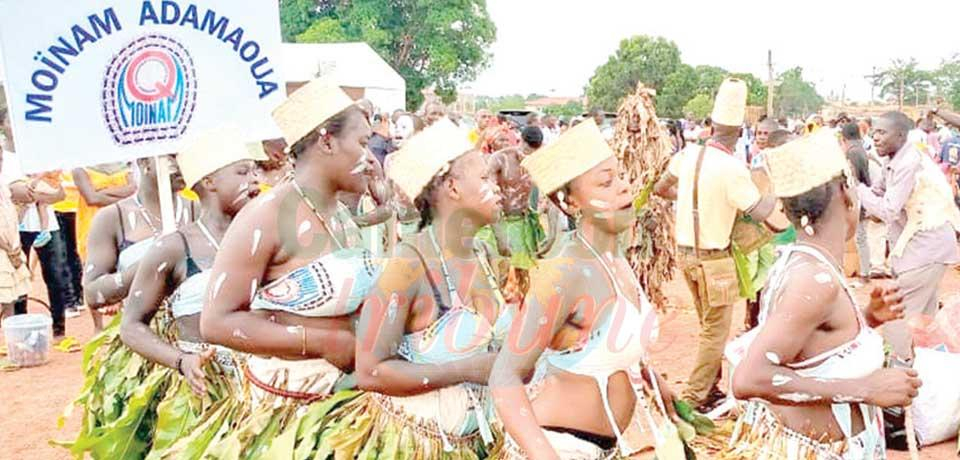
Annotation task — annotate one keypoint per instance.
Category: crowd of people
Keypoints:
(379, 285)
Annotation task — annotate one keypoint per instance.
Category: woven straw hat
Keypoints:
(426, 154)
(798, 166)
(730, 107)
(213, 149)
(575, 152)
(309, 107)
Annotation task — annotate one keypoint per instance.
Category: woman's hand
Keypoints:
(886, 304)
(191, 367)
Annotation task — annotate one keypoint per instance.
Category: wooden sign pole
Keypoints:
(165, 193)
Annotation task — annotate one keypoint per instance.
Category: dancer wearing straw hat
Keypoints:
(813, 369)
(585, 325)
(221, 169)
(712, 190)
(429, 329)
(289, 275)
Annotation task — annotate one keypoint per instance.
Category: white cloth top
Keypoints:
(30, 222)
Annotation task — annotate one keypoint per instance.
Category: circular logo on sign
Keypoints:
(149, 91)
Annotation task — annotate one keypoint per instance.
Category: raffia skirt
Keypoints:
(759, 435)
(439, 424)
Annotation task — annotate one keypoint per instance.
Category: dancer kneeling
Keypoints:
(813, 369)
(429, 329)
(585, 324)
(288, 280)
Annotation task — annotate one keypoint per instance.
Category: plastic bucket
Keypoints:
(28, 338)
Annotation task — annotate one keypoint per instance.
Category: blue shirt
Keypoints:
(950, 152)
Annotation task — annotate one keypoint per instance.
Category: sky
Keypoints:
(553, 47)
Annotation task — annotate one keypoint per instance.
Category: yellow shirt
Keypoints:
(725, 188)
(72, 199)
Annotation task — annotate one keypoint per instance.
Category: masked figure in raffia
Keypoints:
(643, 148)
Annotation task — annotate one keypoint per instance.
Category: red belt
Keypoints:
(299, 395)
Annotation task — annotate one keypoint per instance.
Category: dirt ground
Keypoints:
(32, 399)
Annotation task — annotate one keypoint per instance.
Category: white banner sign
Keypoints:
(94, 81)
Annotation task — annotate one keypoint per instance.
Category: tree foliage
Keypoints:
(700, 106)
(656, 62)
(569, 110)
(948, 80)
(435, 43)
(796, 96)
(917, 83)
(641, 58)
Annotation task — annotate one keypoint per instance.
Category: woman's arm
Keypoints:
(529, 337)
(102, 285)
(382, 325)
(99, 198)
(804, 306)
(245, 253)
(153, 283)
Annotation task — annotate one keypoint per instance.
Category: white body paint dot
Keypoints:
(426, 381)
(800, 397)
(780, 380)
(257, 234)
(543, 320)
(304, 228)
(138, 293)
(237, 333)
(219, 284)
(773, 358)
(822, 277)
(161, 267)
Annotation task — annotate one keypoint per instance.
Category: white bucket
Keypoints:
(28, 338)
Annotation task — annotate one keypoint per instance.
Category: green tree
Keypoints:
(700, 106)
(640, 58)
(948, 80)
(709, 79)
(756, 89)
(677, 90)
(496, 104)
(434, 43)
(795, 96)
(296, 16)
(568, 110)
(903, 75)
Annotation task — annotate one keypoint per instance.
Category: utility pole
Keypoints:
(770, 83)
(873, 83)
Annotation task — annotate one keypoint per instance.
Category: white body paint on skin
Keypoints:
(841, 399)
(118, 279)
(600, 204)
(237, 333)
(822, 277)
(132, 217)
(800, 397)
(487, 193)
(293, 329)
(773, 358)
(257, 234)
(219, 284)
(781, 380)
(161, 267)
(90, 268)
(100, 298)
(138, 294)
(360, 168)
(304, 228)
(253, 289)
(393, 306)
(426, 381)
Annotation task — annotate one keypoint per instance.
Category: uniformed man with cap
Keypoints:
(712, 188)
